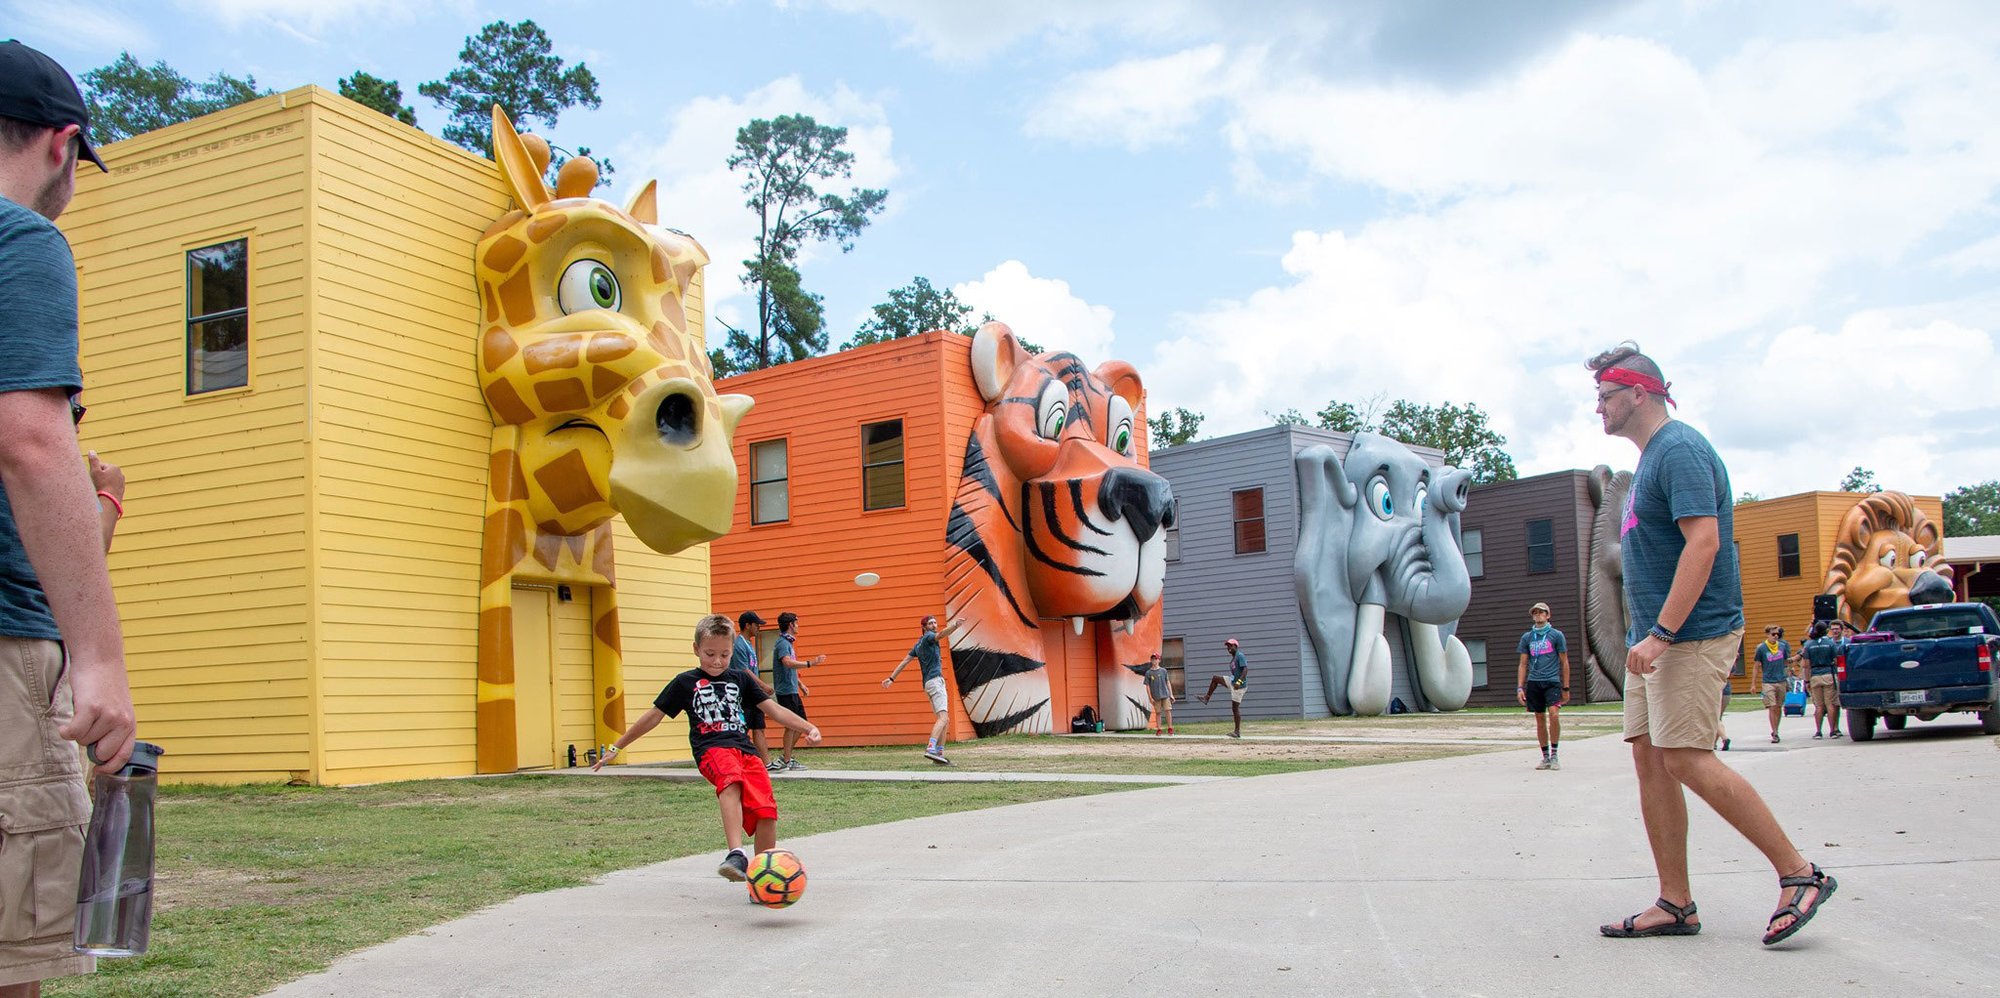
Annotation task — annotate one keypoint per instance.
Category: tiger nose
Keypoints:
(1140, 498)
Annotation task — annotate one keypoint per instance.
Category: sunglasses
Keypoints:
(1601, 396)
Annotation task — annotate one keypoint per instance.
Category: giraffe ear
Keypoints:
(645, 204)
(516, 166)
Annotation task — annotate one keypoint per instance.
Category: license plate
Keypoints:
(1913, 696)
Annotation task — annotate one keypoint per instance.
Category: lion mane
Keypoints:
(1882, 523)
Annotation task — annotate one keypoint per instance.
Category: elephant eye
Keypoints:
(1423, 498)
(1380, 502)
(1052, 412)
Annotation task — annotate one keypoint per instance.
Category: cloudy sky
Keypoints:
(1267, 204)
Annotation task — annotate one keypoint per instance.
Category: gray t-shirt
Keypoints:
(1159, 685)
(1679, 475)
(1772, 662)
(1824, 654)
(38, 347)
(1544, 649)
(928, 658)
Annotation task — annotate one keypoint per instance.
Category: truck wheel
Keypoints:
(1895, 722)
(1861, 725)
(1989, 720)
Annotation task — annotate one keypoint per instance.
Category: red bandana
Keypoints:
(1626, 376)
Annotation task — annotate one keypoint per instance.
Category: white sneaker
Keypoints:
(1546, 763)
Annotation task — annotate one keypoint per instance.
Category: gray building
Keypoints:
(1229, 573)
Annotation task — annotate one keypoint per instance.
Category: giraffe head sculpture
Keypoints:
(585, 347)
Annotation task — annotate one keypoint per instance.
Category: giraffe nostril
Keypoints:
(678, 420)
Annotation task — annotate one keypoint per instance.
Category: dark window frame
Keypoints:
(1482, 663)
(1476, 570)
(758, 483)
(196, 321)
(1176, 663)
(901, 462)
(1788, 559)
(1238, 522)
(1171, 536)
(1546, 549)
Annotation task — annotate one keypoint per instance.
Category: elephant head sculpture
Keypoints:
(1604, 617)
(1379, 534)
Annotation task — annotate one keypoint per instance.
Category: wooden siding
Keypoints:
(400, 436)
(1502, 595)
(211, 565)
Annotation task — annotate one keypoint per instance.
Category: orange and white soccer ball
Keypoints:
(777, 878)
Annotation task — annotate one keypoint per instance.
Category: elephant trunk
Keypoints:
(1439, 591)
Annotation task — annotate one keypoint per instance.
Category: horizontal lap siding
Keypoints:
(402, 434)
(210, 565)
(807, 565)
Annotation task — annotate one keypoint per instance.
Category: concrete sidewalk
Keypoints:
(939, 774)
(1474, 875)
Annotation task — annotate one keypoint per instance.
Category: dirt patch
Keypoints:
(207, 887)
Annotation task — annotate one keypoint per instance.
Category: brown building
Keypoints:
(1526, 542)
(1783, 546)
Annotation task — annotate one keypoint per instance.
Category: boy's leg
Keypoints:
(763, 746)
(1555, 725)
(767, 835)
(791, 739)
(731, 800)
(1542, 730)
(1167, 711)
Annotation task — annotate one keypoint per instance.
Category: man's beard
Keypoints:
(52, 198)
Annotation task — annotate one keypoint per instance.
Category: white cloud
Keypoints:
(80, 26)
(1141, 102)
(302, 19)
(1042, 310)
(954, 32)
(700, 195)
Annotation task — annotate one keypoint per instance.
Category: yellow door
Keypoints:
(534, 705)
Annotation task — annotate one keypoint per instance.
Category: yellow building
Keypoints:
(1784, 546)
(279, 319)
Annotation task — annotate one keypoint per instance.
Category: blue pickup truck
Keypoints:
(1922, 662)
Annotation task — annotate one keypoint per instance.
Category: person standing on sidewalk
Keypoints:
(743, 659)
(62, 655)
(1686, 606)
(1160, 687)
(1822, 655)
(791, 694)
(1774, 659)
(1544, 681)
(930, 663)
(1238, 681)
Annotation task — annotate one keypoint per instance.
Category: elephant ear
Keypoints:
(1604, 620)
(1327, 505)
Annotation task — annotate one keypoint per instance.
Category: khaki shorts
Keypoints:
(43, 811)
(1675, 706)
(1824, 692)
(934, 688)
(1774, 694)
(1236, 694)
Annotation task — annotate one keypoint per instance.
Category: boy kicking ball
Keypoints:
(714, 699)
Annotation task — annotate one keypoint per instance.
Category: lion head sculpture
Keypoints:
(1886, 555)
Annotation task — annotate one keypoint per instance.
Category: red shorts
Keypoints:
(726, 767)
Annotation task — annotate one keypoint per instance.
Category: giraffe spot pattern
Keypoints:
(659, 265)
(665, 342)
(517, 299)
(550, 353)
(614, 713)
(607, 347)
(496, 347)
(498, 750)
(619, 408)
(492, 303)
(606, 629)
(567, 482)
(506, 542)
(548, 544)
(504, 254)
(566, 395)
(547, 225)
(604, 563)
(507, 403)
(504, 223)
(496, 645)
(675, 314)
(605, 381)
(504, 471)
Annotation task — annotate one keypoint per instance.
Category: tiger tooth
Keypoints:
(1076, 625)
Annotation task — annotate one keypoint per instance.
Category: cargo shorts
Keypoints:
(1823, 690)
(1675, 705)
(43, 811)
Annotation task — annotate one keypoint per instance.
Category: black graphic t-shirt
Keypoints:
(714, 706)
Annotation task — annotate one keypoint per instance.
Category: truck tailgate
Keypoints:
(1883, 666)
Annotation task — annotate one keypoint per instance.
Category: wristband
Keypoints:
(116, 506)
(1658, 631)
(609, 751)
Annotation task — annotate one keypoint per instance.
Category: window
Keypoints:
(218, 317)
(1476, 649)
(1473, 546)
(1541, 546)
(766, 643)
(882, 465)
(1172, 535)
(1247, 510)
(1788, 556)
(1173, 655)
(770, 491)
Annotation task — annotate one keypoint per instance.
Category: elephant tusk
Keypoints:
(1369, 684)
(1443, 667)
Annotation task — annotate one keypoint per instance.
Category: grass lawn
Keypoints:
(259, 885)
(1148, 757)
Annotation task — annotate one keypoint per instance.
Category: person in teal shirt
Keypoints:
(1822, 655)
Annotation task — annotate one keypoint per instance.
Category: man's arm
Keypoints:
(1563, 657)
(776, 712)
(1690, 576)
(55, 510)
(904, 664)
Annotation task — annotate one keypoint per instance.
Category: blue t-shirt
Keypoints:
(928, 658)
(1238, 666)
(1544, 649)
(784, 679)
(1772, 662)
(1679, 475)
(1823, 653)
(37, 351)
(743, 656)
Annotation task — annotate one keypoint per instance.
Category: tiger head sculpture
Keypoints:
(1886, 555)
(1056, 517)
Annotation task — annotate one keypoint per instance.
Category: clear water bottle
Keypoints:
(114, 894)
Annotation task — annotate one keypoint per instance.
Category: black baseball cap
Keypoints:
(749, 617)
(34, 89)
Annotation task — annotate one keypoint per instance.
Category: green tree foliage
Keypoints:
(126, 99)
(1972, 510)
(798, 326)
(782, 160)
(1463, 432)
(1859, 480)
(915, 308)
(385, 96)
(1174, 427)
(1748, 497)
(514, 66)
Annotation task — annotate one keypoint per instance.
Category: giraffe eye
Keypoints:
(585, 285)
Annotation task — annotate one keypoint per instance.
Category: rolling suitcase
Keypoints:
(1795, 699)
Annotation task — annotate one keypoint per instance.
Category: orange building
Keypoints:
(850, 464)
(1784, 546)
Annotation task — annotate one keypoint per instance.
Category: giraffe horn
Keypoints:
(645, 204)
(516, 166)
